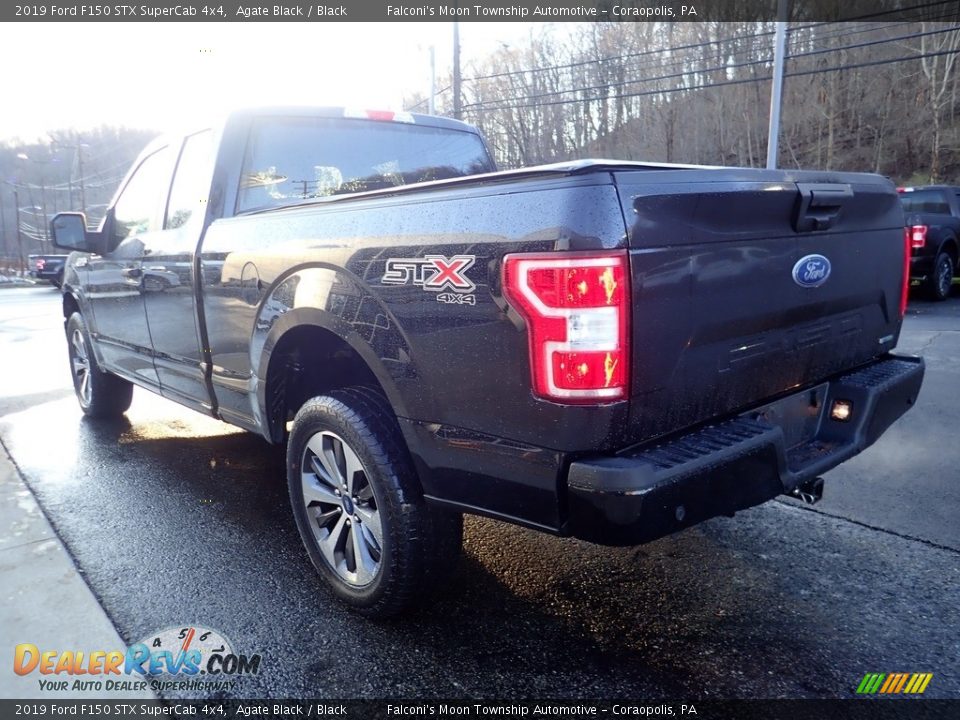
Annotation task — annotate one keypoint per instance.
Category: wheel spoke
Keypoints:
(85, 386)
(315, 489)
(325, 518)
(316, 465)
(320, 446)
(352, 466)
(366, 566)
(78, 347)
(370, 519)
(336, 447)
(335, 541)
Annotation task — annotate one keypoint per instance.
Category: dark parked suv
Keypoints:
(933, 224)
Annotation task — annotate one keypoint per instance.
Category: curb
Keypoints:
(44, 599)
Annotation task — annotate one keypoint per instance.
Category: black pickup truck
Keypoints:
(47, 267)
(933, 224)
(608, 350)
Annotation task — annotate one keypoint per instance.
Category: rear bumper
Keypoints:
(650, 491)
(921, 266)
(47, 273)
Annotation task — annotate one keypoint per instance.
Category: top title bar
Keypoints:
(488, 11)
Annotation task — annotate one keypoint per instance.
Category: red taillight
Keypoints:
(577, 309)
(41, 263)
(918, 236)
(905, 283)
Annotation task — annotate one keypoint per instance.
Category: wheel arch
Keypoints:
(300, 349)
(949, 246)
(70, 305)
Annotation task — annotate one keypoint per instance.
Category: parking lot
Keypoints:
(175, 518)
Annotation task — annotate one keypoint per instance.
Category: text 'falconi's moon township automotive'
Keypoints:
(607, 350)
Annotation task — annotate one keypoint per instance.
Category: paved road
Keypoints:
(176, 518)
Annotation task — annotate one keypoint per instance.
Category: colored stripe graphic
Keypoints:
(918, 683)
(903, 680)
(894, 683)
(870, 683)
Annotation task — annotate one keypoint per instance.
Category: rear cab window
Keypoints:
(925, 201)
(291, 160)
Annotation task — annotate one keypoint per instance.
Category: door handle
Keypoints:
(132, 273)
(157, 268)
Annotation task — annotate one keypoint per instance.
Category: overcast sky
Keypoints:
(162, 75)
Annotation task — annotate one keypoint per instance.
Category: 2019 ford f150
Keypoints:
(609, 350)
(933, 223)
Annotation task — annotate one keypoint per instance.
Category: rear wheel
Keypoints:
(359, 507)
(101, 394)
(941, 277)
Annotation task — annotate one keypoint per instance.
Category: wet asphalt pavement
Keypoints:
(176, 519)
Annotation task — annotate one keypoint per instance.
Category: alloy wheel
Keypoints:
(341, 508)
(80, 362)
(944, 276)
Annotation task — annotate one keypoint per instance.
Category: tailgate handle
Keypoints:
(820, 205)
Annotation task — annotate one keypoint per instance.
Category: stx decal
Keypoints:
(450, 273)
(436, 273)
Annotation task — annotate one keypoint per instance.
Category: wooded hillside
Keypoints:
(873, 96)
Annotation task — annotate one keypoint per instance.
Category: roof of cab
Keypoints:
(241, 114)
(354, 114)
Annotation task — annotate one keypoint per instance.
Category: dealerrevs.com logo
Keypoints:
(191, 658)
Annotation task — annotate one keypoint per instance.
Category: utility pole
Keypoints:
(43, 209)
(83, 198)
(457, 109)
(776, 93)
(16, 204)
(3, 226)
(432, 106)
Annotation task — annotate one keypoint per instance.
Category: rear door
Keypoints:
(748, 284)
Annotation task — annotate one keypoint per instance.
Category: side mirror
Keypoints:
(69, 232)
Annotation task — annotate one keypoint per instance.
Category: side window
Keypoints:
(191, 182)
(137, 210)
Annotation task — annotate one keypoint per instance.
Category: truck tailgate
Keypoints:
(750, 283)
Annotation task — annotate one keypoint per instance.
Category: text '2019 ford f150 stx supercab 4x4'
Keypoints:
(609, 350)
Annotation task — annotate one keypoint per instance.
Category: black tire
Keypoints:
(104, 395)
(940, 280)
(417, 544)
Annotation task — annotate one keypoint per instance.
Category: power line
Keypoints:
(750, 36)
(683, 61)
(729, 66)
(702, 86)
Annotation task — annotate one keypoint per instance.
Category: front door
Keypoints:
(114, 281)
(169, 288)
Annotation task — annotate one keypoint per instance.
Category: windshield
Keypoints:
(289, 160)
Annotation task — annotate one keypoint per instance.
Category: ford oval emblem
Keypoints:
(811, 271)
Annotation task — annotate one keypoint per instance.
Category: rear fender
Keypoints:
(338, 302)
